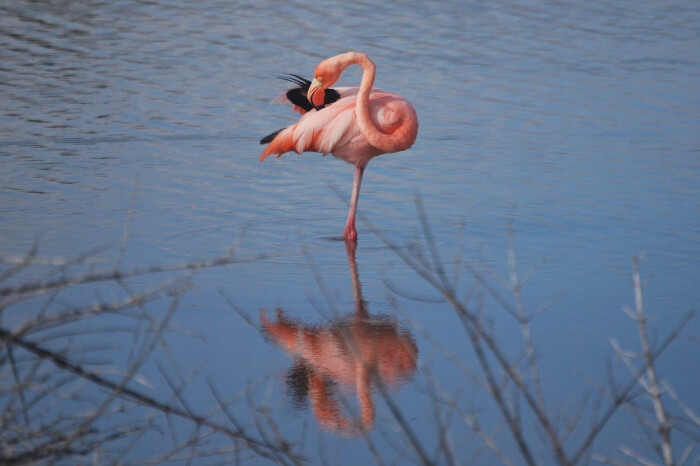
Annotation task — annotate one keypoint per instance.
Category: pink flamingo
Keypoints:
(354, 124)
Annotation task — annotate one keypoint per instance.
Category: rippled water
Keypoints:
(574, 125)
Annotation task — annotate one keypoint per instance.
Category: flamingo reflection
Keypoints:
(352, 353)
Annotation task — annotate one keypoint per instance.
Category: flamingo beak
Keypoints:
(316, 94)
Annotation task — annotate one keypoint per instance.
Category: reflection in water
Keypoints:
(351, 352)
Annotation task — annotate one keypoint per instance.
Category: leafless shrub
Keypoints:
(514, 383)
(65, 395)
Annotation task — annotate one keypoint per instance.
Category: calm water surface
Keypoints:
(573, 125)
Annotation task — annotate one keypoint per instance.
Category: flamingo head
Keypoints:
(326, 74)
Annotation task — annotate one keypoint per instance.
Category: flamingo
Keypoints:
(354, 124)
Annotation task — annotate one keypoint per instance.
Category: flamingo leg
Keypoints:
(350, 231)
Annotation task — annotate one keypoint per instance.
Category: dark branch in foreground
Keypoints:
(48, 410)
(63, 396)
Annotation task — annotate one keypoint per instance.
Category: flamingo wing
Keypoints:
(316, 131)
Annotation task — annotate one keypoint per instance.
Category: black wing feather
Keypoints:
(268, 139)
(297, 96)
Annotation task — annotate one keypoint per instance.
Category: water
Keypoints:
(571, 126)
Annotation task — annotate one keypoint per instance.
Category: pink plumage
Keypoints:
(361, 124)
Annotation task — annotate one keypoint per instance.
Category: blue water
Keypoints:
(569, 129)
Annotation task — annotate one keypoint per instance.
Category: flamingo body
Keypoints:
(354, 124)
(334, 130)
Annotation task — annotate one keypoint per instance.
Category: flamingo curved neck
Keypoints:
(382, 141)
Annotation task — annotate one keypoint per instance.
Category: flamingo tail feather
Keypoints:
(280, 142)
